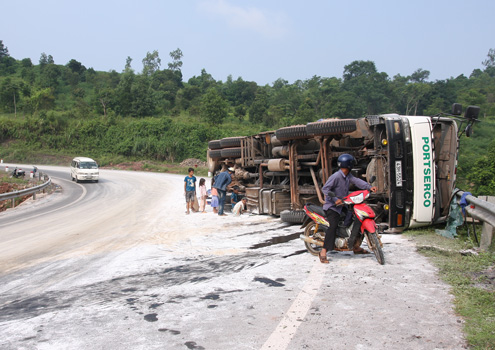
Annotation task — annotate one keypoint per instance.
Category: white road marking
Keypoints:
(281, 337)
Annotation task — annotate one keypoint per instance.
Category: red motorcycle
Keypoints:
(315, 224)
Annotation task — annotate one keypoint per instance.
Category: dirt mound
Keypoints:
(193, 162)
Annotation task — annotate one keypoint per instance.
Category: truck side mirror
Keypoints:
(472, 113)
(456, 109)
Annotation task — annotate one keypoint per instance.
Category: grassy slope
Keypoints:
(472, 278)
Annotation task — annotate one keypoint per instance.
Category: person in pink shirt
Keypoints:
(214, 197)
(202, 195)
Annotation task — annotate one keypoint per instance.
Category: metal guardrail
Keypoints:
(483, 211)
(26, 191)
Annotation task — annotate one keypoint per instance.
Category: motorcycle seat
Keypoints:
(316, 209)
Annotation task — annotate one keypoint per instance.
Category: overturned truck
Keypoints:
(412, 161)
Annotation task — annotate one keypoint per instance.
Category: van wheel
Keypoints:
(331, 127)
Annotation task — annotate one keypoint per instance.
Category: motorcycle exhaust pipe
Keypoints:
(310, 240)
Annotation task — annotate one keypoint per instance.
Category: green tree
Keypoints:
(4, 51)
(42, 100)
(10, 94)
(483, 179)
(370, 87)
(123, 95)
(214, 109)
(258, 112)
(205, 81)
(176, 63)
(143, 102)
(151, 63)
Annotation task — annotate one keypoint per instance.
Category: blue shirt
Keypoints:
(234, 198)
(338, 183)
(222, 180)
(190, 183)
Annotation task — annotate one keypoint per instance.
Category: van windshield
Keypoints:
(88, 165)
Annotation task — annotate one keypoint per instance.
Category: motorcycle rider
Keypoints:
(338, 183)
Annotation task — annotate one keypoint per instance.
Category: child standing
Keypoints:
(190, 189)
(203, 195)
(214, 197)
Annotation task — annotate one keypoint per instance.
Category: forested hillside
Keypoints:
(69, 109)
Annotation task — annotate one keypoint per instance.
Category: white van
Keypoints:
(84, 169)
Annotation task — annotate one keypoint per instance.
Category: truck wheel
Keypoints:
(214, 144)
(291, 133)
(331, 127)
(212, 163)
(215, 153)
(292, 216)
(231, 152)
(231, 142)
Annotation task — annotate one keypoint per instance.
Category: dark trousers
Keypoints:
(221, 200)
(331, 232)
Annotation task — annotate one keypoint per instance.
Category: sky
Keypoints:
(256, 40)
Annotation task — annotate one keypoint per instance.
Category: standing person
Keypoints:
(239, 207)
(214, 200)
(202, 195)
(190, 189)
(338, 183)
(222, 180)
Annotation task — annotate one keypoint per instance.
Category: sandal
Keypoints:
(323, 259)
(361, 251)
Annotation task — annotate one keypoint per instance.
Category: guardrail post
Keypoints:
(487, 230)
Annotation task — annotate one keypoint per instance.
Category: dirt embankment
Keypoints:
(10, 187)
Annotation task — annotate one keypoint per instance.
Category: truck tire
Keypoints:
(215, 153)
(292, 216)
(231, 142)
(213, 164)
(214, 144)
(234, 152)
(331, 127)
(291, 133)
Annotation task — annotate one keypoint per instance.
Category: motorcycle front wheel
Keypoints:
(319, 236)
(375, 245)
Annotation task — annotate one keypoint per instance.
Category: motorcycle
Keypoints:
(17, 173)
(315, 224)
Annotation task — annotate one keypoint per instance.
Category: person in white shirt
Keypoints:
(239, 207)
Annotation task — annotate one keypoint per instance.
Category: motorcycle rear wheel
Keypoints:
(309, 231)
(375, 246)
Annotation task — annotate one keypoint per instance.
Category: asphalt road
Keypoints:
(118, 265)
